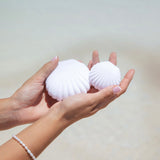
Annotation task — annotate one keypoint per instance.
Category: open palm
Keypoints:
(113, 59)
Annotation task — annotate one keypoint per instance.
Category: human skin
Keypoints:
(62, 114)
(29, 102)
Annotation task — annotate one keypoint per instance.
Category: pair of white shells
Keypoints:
(73, 77)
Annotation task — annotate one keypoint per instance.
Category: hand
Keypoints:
(80, 106)
(31, 101)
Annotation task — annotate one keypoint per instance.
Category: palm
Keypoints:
(32, 99)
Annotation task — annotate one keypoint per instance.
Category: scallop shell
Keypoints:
(104, 74)
(69, 78)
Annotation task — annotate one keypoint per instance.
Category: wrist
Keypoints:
(7, 114)
(56, 113)
(5, 105)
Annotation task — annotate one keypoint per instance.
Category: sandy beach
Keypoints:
(33, 32)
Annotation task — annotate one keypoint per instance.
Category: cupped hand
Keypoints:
(113, 60)
(83, 105)
(31, 101)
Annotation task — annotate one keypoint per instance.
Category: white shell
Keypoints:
(69, 78)
(104, 74)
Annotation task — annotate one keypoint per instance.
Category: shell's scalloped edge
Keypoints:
(72, 77)
(99, 73)
(60, 84)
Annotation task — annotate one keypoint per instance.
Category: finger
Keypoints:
(95, 57)
(50, 101)
(46, 70)
(126, 81)
(113, 58)
(94, 111)
(105, 103)
(90, 64)
(102, 104)
(103, 94)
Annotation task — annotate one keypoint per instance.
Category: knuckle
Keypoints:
(107, 93)
(124, 90)
(110, 93)
(47, 65)
(90, 101)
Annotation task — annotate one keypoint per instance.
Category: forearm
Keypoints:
(36, 137)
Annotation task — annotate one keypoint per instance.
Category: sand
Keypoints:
(34, 32)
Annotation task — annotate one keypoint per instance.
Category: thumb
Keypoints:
(46, 70)
(107, 92)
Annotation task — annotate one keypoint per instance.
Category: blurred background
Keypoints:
(33, 32)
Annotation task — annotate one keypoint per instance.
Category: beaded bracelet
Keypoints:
(25, 147)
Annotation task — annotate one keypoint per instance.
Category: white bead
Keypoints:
(24, 146)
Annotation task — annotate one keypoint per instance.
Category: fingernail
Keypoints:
(116, 89)
(55, 58)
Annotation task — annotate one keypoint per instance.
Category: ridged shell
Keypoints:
(69, 78)
(104, 74)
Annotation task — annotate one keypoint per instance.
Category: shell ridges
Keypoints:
(69, 78)
(104, 74)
